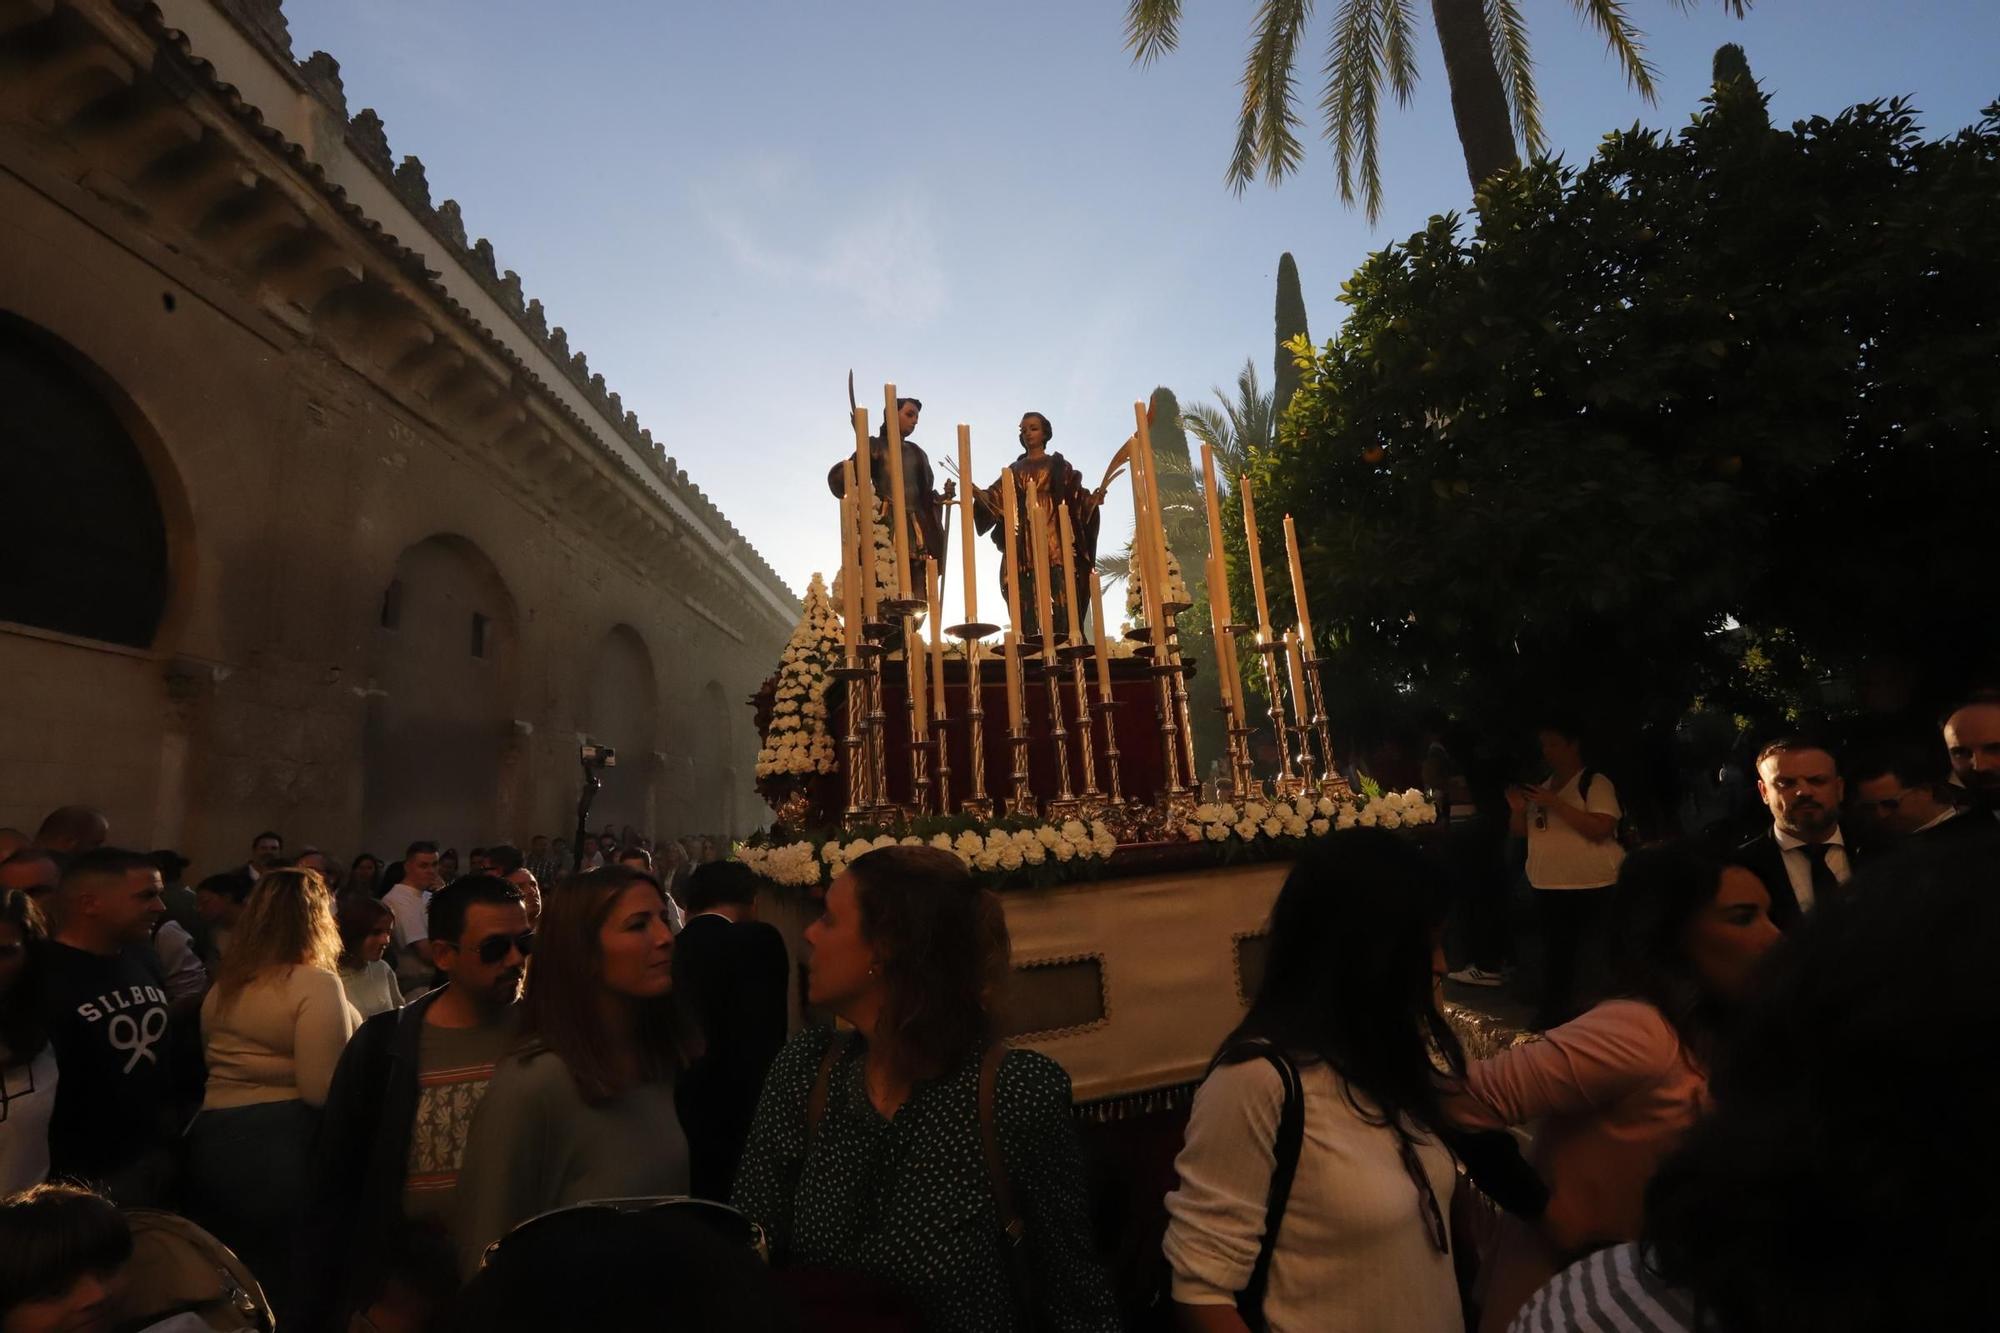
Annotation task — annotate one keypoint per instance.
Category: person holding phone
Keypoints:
(1570, 820)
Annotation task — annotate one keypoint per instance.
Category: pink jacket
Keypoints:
(1615, 1089)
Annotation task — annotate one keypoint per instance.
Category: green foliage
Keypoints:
(1695, 419)
(1290, 324)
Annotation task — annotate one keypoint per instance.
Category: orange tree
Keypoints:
(1732, 386)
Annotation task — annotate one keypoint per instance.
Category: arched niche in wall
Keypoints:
(442, 665)
(96, 542)
(622, 710)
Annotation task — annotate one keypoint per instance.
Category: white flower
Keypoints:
(1074, 830)
(985, 860)
(1010, 857)
(1048, 835)
(912, 841)
(1319, 827)
(970, 844)
(1215, 832)
(1295, 827)
(1347, 818)
(859, 848)
(1246, 830)
(942, 842)
(1370, 815)
(1034, 853)
(884, 840)
(1255, 812)
(1273, 826)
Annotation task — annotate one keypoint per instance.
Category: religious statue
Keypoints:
(1058, 485)
(925, 504)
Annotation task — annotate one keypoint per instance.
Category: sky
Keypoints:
(730, 205)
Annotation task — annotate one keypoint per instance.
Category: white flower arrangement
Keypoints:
(802, 865)
(885, 561)
(797, 741)
(1307, 816)
(1135, 589)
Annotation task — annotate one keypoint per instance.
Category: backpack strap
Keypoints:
(836, 1046)
(1013, 1231)
(1285, 1150)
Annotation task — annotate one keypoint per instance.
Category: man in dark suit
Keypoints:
(1972, 739)
(734, 972)
(1900, 797)
(1803, 858)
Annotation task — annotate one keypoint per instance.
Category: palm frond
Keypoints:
(1624, 40)
(1276, 51)
(1354, 61)
(1399, 26)
(1516, 63)
(1112, 568)
(1152, 28)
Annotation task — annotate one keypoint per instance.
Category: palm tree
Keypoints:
(1486, 63)
(1232, 428)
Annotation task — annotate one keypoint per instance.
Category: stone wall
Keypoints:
(315, 440)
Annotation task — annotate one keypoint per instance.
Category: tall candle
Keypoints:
(1256, 559)
(865, 518)
(892, 423)
(1011, 648)
(1299, 586)
(1141, 545)
(1218, 592)
(1069, 571)
(915, 658)
(1154, 509)
(850, 571)
(1103, 638)
(1010, 556)
(1038, 533)
(965, 522)
(937, 639)
(1302, 708)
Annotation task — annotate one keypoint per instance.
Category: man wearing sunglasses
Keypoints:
(393, 1132)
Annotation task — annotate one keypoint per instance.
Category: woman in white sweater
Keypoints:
(273, 1028)
(1347, 1008)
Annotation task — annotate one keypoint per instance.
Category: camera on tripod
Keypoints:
(597, 756)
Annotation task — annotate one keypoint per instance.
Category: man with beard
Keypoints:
(1803, 858)
(1972, 739)
(402, 1101)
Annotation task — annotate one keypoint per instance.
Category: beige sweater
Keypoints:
(277, 1039)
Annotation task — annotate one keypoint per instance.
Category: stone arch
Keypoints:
(99, 543)
(623, 706)
(443, 659)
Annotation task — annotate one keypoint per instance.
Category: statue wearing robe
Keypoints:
(924, 505)
(1058, 485)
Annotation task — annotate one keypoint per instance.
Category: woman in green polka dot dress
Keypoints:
(891, 1183)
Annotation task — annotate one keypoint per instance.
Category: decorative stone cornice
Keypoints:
(207, 187)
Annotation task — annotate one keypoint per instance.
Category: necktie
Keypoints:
(1825, 884)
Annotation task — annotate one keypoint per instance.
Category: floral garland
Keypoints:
(797, 741)
(1307, 816)
(1000, 848)
(1010, 853)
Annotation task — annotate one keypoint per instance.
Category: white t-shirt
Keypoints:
(406, 906)
(1352, 1251)
(1561, 858)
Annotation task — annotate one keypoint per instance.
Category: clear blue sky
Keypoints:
(728, 205)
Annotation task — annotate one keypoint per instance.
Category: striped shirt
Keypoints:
(1611, 1291)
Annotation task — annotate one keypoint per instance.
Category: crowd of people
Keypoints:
(392, 1090)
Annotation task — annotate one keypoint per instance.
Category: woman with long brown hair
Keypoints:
(871, 1152)
(365, 927)
(273, 1027)
(585, 1107)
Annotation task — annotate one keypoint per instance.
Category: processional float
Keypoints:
(881, 615)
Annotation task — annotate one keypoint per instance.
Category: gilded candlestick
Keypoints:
(976, 803)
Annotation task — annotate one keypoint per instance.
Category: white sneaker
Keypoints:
(1478, 976)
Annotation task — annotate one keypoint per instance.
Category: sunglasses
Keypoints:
(495, 947)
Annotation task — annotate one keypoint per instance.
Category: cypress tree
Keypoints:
(1291, 323)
